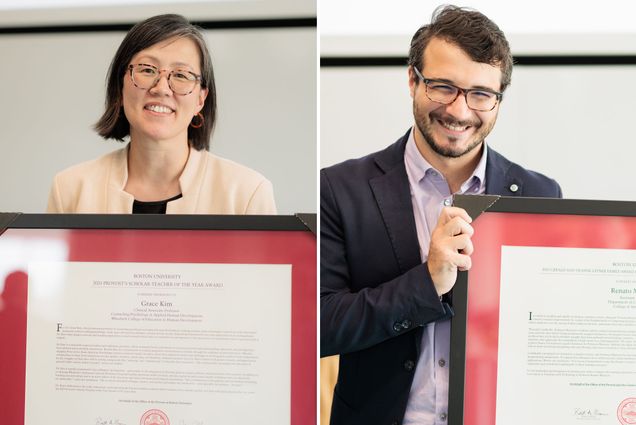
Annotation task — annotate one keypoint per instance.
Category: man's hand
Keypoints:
(450, 248)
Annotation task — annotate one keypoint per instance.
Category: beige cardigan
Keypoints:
(209, 185)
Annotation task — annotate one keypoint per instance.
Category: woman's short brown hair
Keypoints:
(470, 30)
(113, 123)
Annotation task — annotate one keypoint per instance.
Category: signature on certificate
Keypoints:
(100, 421)
(588, 414)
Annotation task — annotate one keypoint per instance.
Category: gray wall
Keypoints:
(53, 91)
(572, 123)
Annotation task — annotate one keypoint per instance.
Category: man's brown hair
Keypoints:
(470, 30)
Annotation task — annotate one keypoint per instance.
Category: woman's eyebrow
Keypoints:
(151, 58)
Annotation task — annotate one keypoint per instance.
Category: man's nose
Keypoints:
(459, 108)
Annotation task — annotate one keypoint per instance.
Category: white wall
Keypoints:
(53, 92)
(571, 123)
(540, 26)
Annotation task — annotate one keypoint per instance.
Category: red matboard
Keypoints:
(549, 223)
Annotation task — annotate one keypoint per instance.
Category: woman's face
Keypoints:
(157, 113)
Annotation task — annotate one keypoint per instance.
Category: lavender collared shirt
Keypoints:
(428, 398)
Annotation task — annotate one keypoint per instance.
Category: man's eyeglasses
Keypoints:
(440, 91)
(180, 81)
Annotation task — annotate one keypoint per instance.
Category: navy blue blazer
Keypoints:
(375, 293)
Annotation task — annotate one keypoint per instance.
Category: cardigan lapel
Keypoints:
(116, 200)
(190, 184)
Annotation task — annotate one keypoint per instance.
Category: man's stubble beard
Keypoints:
(425, 122)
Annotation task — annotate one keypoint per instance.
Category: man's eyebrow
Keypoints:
(484, 88)
(442, 80)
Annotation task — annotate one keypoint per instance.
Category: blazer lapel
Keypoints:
(393, 196)
(499, 180)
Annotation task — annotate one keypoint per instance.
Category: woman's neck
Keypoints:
(154, 168)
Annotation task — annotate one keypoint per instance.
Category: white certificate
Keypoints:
(567, 336)
(158, 343)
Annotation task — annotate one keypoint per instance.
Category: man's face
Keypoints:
(452, 130)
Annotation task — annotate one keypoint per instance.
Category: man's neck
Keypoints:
(455, 170)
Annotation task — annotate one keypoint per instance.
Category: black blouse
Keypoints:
(152, 207)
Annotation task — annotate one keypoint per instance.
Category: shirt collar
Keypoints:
(418, 166)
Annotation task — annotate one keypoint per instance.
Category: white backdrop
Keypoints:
(540, 26)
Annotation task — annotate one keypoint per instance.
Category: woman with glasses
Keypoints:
(161, 95)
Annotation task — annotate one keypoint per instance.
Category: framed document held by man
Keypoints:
(545, 320)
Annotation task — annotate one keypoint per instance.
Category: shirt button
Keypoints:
(409, 365)
(514, 188)
(447, 202)
(442, 416)
(441, 362)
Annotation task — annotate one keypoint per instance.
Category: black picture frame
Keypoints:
(481, 205)
(299, 230)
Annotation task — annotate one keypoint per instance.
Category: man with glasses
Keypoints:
(391, 244)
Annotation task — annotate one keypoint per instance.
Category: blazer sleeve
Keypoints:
(262, 200)
(354, 320)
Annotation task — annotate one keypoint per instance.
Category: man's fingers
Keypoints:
(450, 248)
(457, 226)
(448, 213)
(462, 261)
(463, 244)
(456, 248)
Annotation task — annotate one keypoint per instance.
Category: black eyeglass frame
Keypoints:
(131, 68)
(461, 90)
